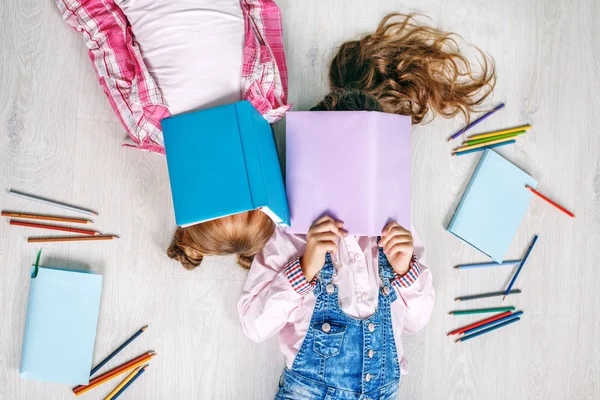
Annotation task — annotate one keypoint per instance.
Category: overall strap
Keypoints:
(386, 272)
(325, 276)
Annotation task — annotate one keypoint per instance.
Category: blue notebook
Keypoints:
(223, 161)
(60, 328)
(492, 206)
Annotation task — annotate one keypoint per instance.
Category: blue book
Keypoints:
(223, 161)
(60, 327)
(492, 206)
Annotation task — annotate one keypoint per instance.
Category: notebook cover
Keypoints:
(492, 206)
(217, 165)
(352, 165)
(60, 327)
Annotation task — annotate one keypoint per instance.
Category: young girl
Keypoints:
(340, 303)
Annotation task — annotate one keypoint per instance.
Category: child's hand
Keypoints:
(398, 246)
(321, 239)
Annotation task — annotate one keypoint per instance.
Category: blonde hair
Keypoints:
(244, 234)
(411, 69)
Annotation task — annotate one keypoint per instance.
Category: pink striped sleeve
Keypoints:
(131, 91)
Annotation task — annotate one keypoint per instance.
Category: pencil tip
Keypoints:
(456, 299)
(94, 213)
(144, 327)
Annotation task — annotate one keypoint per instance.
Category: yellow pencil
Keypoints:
(511, 130)
(476, 146)
(123, 383)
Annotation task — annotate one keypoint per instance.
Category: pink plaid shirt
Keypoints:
(133, 93)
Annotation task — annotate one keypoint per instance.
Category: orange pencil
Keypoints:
(46, 217)
(136, 362)
(532, 190)
(53, 227)
(70, 238)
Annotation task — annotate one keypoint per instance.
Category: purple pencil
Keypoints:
(478, 120)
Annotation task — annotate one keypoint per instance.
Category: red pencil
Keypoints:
(53, 227)
(482, 322)
(532, 190)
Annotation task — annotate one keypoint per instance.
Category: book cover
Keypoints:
(352, 165)
(492, 205)
(223, 161)
(60, 327)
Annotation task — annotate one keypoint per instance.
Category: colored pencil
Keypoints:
(69, 238)
(485, 295)
(462, 153)
(489, 139)
(488, 264)
(128, 366)
(493, 328)
(482, 310)
(53, 227)
(496, 322)
(46, 217)
(476, 146)
(478, 120)
(514, 278)
(479, 323)
(123, 383)
(140, 372)
(52, 202)
(121, 347)
(501, 132)
(532, 190)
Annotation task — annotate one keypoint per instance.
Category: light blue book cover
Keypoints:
(223, 161)
(493, 205)
(60, 327)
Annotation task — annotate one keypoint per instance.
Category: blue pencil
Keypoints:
(478, 120)
(492, 323)
(512, 281)
(491, 146)
(121, 347)
(488, 264)
(462, 339)
(141, 371)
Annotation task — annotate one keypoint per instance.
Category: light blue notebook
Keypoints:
(492, 206)
(223, 161)
(60, 329)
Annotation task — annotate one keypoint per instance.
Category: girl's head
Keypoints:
(244, 234)
(409, 69)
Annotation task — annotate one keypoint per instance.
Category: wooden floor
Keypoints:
(59, 138)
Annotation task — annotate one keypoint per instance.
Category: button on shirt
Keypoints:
(277, 298)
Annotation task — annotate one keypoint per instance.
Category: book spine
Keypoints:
(464, 196)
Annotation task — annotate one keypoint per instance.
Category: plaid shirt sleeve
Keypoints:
(133, 94)
(406, 280)
(299, 283)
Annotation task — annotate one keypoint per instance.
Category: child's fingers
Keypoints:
(325, 236)
(328, 218)
(328, 226)
(395, 240)
(327, 246)
(387, 227)
(394, 231)
(400, 248)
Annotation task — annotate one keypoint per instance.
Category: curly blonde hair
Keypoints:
(243, 234)
(411, 69)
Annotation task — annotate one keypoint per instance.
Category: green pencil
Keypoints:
(484, 140)
(482, 310)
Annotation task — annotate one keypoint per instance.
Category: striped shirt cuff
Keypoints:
(299, 283)
(404, 281)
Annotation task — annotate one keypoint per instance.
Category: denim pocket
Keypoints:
(328, 339)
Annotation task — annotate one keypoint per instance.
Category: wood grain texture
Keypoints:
(59, 138)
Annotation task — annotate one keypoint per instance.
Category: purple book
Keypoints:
(352, 165)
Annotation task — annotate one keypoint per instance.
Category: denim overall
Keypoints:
(345, 358)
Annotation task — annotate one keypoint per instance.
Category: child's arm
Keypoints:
(278, 282)
(413, 281)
